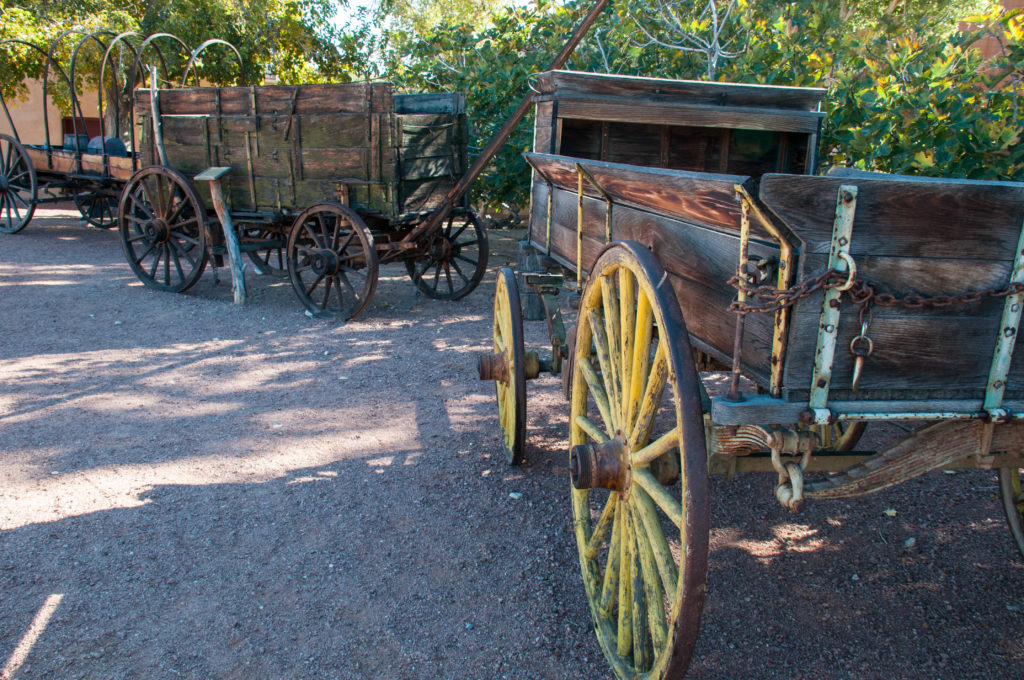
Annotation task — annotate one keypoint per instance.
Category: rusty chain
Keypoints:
(862, 293)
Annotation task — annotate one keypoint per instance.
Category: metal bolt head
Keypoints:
(829, 328)
(997, 385)
(822, 382)
(843, 240)
(1009, 332)
(1015, 308)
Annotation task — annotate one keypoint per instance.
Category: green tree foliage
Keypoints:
(906, 89)
(293, 38)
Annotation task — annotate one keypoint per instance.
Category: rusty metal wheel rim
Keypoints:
(17, 186)
(332, 261)
(454, 261)
(508, 342)
(623, 521)
(162, 225)
(1012, 495)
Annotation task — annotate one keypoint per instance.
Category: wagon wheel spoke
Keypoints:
(458, 270)
(327, 292)
(14, 208)
(184, 251)
(156, 260)
(172, 249)
(638, 466)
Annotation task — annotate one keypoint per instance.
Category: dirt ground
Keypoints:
(190, 489)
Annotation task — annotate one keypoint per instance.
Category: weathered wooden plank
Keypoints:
(699, 198)
(272, 100)
(412, 122)
(686, 114)
(904, 217)
(426, 168)
(916, 357)
(634, 144)
(422, 195)
(335, 163)
(427, 141)
(903, 276)
(61, 161)
(569, 83)
(442, 102)
(328, 131)
(543, 138)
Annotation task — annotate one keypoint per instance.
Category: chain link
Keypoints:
(862, 293)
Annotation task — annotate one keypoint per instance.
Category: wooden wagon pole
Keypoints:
(433, 221)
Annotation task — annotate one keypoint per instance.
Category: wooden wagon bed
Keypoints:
(289, 147)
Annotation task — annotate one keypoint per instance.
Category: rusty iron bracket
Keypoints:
(828, 329)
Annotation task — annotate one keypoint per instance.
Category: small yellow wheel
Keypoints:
(1013, 503)
(507, 365)
(638, 467)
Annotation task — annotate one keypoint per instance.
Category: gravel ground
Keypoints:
(189, 489)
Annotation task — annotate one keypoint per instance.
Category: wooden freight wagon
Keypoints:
(324, 182)
(687, 223)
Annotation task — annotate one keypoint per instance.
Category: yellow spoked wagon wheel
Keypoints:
(638, 466)
(332, 261)
(17, 186)
(1013, 503)
(506, 367)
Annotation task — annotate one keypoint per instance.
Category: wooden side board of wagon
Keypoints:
(324, 183)
(829, 302)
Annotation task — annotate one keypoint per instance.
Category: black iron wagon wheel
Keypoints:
(454, 259)
(1013, 503)
(98, 209)
(162, 223)
(272, 259)
(332, 261)
(638, 466)
(17, 186)
(508, 362)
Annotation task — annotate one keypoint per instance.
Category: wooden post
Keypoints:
(213, 175)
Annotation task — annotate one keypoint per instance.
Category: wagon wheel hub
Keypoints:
(4, 183)
(601, 466)
(324, 262)
(440, 250)
(158, 231)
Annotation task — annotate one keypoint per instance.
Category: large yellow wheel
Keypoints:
(638, 466)
(1013, 503)
(509, 376)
